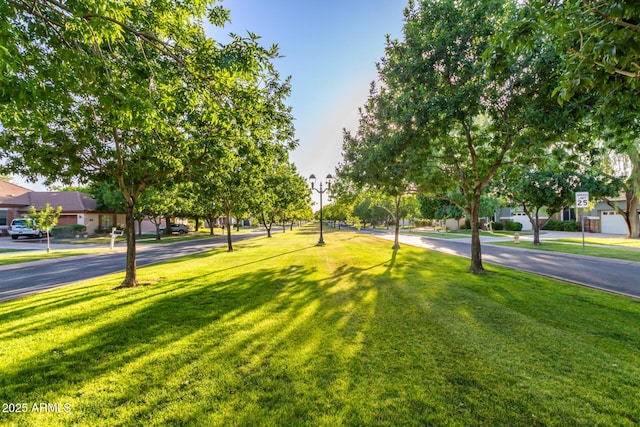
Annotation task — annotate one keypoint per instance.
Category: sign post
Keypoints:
(582, 201)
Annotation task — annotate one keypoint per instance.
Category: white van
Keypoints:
(24, 227)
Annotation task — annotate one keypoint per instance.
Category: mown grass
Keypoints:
(607, 241)
(283, 332)
(151, 238)
(16, 257)
(603, 252)
(12, 250)
(142, 238)
(458, 234)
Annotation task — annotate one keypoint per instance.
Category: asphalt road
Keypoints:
(622, 277)
(19, 280)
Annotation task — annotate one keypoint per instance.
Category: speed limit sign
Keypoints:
(582, 199)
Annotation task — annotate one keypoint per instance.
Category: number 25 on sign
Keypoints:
(582, 199)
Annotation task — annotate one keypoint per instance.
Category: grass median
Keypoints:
(21, 256)
(283, 332)
(606, 241)
(575, 248)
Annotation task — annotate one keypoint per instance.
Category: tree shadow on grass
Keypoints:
(155, 322)
(204, 344)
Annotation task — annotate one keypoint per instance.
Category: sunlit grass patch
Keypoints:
(283, 332)
(609, 241)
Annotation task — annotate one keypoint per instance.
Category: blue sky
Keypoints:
(329, 49)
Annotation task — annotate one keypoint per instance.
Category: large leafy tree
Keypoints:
(95, 91)
(465, 109)
(283, 192)
(533, 189)
(599, 41)
(372, 161)
(438, 209)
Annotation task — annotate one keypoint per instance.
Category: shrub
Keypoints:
(497, 226)
(68, 231)
(513, 226)
(553, 224)
(422, 223)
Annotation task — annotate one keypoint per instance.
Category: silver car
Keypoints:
(25, 227)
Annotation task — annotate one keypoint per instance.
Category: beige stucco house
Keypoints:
(77, 207)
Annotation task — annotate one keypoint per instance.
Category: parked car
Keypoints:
(24, 227)
(176, 228)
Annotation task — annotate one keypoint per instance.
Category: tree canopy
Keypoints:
(121, 91)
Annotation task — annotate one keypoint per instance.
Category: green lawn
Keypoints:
(146, 238)
(604, 252)
(609, 241)
(20, 256)
(12, 250)
(283, 332)
(151, 238)
(458, 234)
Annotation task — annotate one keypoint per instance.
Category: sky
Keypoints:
(330, 49)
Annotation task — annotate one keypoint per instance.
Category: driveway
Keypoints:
(617, 276)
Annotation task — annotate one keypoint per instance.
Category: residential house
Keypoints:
(77, 207)
(610, 221)
(601, 219)
(7, 191)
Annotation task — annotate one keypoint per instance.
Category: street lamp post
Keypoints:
(312, 180)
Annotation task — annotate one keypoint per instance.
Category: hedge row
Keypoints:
(555, 225)
(513, 226)
(68, 231)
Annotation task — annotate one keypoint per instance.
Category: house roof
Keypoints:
(8, 189)
(71, 201)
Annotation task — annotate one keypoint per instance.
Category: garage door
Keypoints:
(67, 220)
(612, 223)
(523, 219)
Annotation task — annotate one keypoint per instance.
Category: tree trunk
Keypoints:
(211, 220)
(229, 244)
(266, 227)
(476, 250)
(535, 223)
(131, 278)
(632, 216)
(396, 239)
(632, 195)
(167, 226)
(140, 226)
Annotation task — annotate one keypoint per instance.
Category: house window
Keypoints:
(3, 217)
(106, 222)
